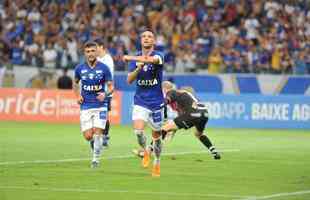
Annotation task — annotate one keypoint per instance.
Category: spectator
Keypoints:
(250, 27)
(64, 81)
(300, 66)
(50, 56)
(215, 61)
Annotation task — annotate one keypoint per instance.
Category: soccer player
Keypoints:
(146, 68)
(105, 58)
(190, 113)
(169, 114)
(89, 86)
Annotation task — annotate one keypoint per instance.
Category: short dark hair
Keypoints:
(90, 44)
(147, 29)
(99, 41)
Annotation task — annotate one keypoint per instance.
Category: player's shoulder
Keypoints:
(156, 52)
(79, 67)
(101, 65)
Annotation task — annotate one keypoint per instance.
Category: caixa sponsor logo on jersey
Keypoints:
(151, 82)
(92, 87)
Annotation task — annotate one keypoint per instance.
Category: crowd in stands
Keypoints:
(215, 36)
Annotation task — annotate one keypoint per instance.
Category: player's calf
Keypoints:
(207, 143)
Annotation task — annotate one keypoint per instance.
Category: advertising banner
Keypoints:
(46, 105)
(258, 111)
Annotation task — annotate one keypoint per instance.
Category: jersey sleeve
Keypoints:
(77, 74)
(132, 66)
(160, 57)
(108, 74)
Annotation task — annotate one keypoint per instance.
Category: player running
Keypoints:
(91, 78)
(147, 70)
(105, 58)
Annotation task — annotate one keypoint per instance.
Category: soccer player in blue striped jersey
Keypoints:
(146, 69)
(89, 86)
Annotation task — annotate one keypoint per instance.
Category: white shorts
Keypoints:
(153, 118)
(93, 118)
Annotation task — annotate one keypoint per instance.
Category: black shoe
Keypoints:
(217, 156)
(94, 164)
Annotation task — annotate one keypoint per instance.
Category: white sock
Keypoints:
(97, 147)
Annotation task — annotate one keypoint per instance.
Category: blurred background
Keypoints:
(220, 47)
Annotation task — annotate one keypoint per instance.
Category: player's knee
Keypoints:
(88, 135)
(198, 134)
(98, 131)
(156, 134)
(139, 131)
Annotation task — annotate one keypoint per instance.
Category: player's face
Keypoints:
(100, 49)
(91, 53)
(147, 39)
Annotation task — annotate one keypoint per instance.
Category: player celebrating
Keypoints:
(169, 114)
(147, 69)
(89, 86)
(105, 58)
(190, 113)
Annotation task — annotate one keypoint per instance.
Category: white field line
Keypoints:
(81, 190)
(278, 195)
(104, 158)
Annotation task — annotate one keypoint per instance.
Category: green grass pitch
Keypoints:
(41, 161)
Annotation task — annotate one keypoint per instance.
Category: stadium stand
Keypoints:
(215, 36)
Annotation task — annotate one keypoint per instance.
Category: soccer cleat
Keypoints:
(94, 164)
(146, 159)
(156, 170)
(217, 156)
(139, 153)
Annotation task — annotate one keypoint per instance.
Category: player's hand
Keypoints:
(101, 96)
(80, 99)
(139, 65)
(126, 58)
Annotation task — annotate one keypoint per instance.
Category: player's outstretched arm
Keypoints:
(144, 59)
(133, 75)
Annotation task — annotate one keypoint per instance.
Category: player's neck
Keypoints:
(147, 52)
(92, 64)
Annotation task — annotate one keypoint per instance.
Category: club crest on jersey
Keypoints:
(145, 67)
(91, 76)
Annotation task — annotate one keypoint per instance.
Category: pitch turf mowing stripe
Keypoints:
(119, 191)
(278, 195)
(104, 158)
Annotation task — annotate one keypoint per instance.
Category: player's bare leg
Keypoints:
(157, 146)
(139, 131)
(207, 143)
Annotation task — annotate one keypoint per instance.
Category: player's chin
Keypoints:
(91, 59)
(147, 46)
